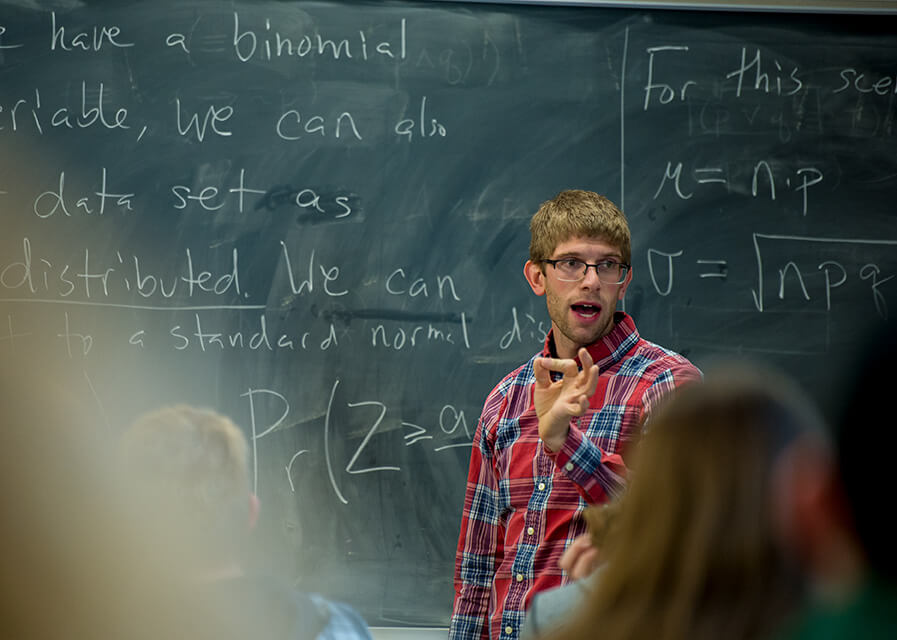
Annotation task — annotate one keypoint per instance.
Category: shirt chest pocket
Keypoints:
(609, 427)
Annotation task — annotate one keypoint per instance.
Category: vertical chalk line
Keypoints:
(623, 129)
(623, 122)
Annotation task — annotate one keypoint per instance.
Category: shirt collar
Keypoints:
(609, 349)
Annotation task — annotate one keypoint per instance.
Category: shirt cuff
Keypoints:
(594, 473)
(563, 456)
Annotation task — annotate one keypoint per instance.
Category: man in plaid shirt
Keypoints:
(552, 434)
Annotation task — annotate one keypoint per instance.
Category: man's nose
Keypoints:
(591, 279)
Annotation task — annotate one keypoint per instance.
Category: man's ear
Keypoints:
(622, 291)
(535, 277)
(254, 508)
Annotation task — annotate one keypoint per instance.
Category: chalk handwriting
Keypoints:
(449, 415)
(853, 80)
(809, 176)
(652, 253)
(95, 278)
(424, 128)
(94, 111)
(328, 276)
(764, 181)
(871, 272)
(11, 336)
(419, 433)
(50, 203)
(176, 39)
(667, 93)
(289, 469)
(327, 459)
(92, 40)
(7, 46)
(783, 84)
(721, 269)
(208, 196)
(335, 206)
(290, 126)
(82, 340)
(792, 278)
(398, 338)
(350, 468)
(534, 329)
(257, 432)
(214, 117)
(201, 336)
(675, 175)
(792, 269)
(268, 44)
(213, 198)
(397, 284)
(866, 272)
(828, 267)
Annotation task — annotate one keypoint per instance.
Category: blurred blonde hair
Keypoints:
(78, 561)
(577, 213)
(190, 466)
(692, 554)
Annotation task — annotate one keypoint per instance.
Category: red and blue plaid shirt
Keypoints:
(523, 504)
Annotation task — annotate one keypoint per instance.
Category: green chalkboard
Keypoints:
(312, 216)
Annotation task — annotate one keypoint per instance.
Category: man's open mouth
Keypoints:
(586, 310)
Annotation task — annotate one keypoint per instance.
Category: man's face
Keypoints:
(581, 312)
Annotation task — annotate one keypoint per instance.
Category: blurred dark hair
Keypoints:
(866, 438)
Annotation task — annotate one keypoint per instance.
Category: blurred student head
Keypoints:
(188, 470)
(190, 467)
(76, 562)
(839, 524)
(866, 439)
(693, 553)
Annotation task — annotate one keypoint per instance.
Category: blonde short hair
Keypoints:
(577, 213)
(191, 464)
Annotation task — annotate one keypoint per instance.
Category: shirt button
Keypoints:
(519, 577)
(509, 629)
(530, 531)
(541, 486)
(569, 466)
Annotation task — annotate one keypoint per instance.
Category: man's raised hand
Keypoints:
(556, 402)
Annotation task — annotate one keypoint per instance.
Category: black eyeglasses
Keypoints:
(574, 270)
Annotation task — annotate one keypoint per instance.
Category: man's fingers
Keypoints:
(568, 368)
(565, 366)
(542, 372)
(585, 358)
(583, 404)
(576, 406)
(592, 382)
(554, 364)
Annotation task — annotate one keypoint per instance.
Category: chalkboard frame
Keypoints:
(867, 7)
(359, 403)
